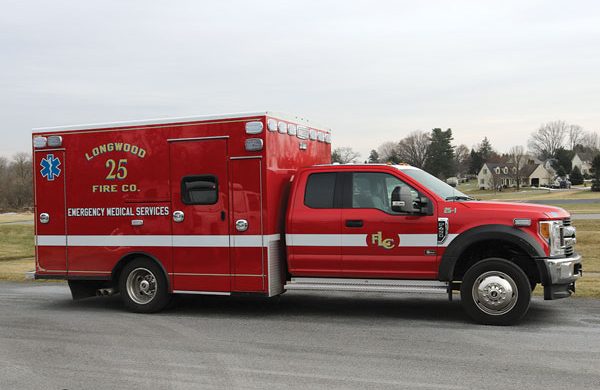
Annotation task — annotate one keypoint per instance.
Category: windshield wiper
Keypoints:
(459, 197)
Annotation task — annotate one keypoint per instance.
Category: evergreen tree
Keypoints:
(476, 162)
(596, 173)
(440, 154)
(373, 157)
(576, 176)
(485, 150)
(563, 158)
(483, 154)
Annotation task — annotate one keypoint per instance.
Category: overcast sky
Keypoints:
(371, 71)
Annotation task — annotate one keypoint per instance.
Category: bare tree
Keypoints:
(548, 138)
(388, 152)
(344, 155)
(495, 180)
(4, 181)
(518, 159)
(462, 155)
(19, 192)
(413, 148)
(591, 140)
(575, 135)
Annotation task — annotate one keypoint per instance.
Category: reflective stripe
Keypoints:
(253, 241)
(200, 241)
(360, 240)
(51, 240)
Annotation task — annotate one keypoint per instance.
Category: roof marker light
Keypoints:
(40, 142)
(302, 132)
(255, 127)
(54, 141)
(282, 126)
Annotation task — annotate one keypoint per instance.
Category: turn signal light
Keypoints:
(545, 230)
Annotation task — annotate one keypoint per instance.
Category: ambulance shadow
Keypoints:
(333, 307)
(337, 307)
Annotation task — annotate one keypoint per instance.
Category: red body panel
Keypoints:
(50, 259)
(124, 183)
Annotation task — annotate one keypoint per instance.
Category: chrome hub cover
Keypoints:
(495, 293)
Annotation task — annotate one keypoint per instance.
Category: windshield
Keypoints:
(443, 190)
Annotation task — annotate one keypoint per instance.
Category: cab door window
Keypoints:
(320, 190)
(373, 190)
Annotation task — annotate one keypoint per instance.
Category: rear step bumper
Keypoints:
(368, 285)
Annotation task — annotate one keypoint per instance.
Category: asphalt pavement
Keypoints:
(299, 341)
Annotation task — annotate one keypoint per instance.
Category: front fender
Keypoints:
(484, 233)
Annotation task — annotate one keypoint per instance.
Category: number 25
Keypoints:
(117, 171)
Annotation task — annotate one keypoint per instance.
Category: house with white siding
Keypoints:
(495, 175)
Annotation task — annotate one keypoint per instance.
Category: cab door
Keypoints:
(378, 242)
(314, 237)
(200, 204)
(50, 223)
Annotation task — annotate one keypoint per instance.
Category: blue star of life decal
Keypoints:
(50, 167)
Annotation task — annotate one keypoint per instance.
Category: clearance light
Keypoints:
(40, 142)
(302, 132)
(282, 126)
(54, 141)
(254, 144)
(254, 127)
(272, 125)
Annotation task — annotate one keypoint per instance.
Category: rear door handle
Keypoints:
(354, 223)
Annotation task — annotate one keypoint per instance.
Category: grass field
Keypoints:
(15, 217)
(527, 193)
(16, 242)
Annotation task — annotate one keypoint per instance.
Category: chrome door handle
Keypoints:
(178, 216)
(241, 225)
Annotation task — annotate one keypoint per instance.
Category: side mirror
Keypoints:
(402, 200)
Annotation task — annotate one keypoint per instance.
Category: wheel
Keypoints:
(143, 286)
(495, 292)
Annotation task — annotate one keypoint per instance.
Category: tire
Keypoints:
(495, 291)
(143, 286)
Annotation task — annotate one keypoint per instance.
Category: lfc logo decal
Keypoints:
(379, 240)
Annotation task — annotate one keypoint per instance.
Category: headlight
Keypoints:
(551, 232)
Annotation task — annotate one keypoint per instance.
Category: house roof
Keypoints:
(526, 170)
(585, 156)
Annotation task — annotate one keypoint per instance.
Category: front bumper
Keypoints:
(559, 276)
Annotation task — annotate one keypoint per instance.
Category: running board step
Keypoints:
(368, 285)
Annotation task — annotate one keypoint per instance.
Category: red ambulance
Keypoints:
(248, 203)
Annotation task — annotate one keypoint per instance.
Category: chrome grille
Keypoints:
(569, 250)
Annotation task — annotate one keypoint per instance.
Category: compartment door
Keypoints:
(200, 223)
(247, 240)
(50, 223)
